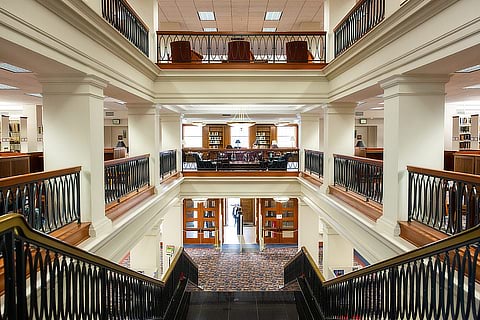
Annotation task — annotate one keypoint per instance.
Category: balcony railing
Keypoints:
(168, 163)
(220, 47)
(48, 200)
(277, 159)
(360, 175)
(363, 17)
(438, 281)
(123, 18)
(44, 278)
(314, 162)
(124, 176)
(446, 201)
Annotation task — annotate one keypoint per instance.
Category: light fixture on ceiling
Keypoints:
(36, 95)
(273, 15)
(199, 199)
(469, 69)
(242, 120)
(7, 87)
(265, 29)
(281, 199)
(282, 123)
(12, 68)
(376, 108)
(198, 123)
(475, 86)
(206, 15)
(210, 29)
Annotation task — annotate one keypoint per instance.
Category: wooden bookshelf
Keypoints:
(462, 132)
(200, 221)
(263, 134)
(279, 221)
(215, 136)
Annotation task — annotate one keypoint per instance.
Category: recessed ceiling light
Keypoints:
(7, 87)
(360, 102)
(37, 95)
(269, 29)
(273, 15)
(381, 103)
(206, 15)
(376, 108)
(475, 86)
(469, 69)
(210, 29)
(12, 68)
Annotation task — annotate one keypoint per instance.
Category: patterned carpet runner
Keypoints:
(231, 270)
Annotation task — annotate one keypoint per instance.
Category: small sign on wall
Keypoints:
(115, 121)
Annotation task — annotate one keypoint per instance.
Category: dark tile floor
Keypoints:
(242, 305)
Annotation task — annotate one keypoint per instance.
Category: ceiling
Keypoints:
(240, 15)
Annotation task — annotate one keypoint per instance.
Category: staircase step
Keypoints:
(251, 305)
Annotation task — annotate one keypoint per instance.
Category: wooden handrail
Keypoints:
(17, 222)
(132, 11)
(419, 253)
(237, 149)
(360, 159)
(355, 7)
(25, 178)
(127, 159)
(246, 33)
(466, 177)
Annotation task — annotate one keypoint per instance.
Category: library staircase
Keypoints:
(45, 278)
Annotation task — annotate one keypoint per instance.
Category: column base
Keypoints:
(388, 227)
(101, 227)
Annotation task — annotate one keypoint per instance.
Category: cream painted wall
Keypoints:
(172, 231)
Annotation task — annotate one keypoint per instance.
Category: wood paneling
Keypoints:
(248, 209)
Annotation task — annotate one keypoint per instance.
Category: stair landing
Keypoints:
(242, 305)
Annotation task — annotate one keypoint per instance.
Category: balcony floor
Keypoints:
(254, 65)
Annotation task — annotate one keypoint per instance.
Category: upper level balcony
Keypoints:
(233, 50)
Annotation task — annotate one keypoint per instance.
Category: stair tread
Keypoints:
(279, 305)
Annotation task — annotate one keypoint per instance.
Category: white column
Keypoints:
(309, 135)
(333, 12)
(337, 251)
(339, 129)
(308, 227)
(148, 12)
(73, 123)
(145, 255)
(414, 128)
(391, 6)
(171, 135)
(35, 127)
(321, 131)
(96, 5)
(144, 135)
(172, 231)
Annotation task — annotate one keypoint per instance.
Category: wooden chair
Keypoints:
(297, 51)
(239, 51)
(182, 52)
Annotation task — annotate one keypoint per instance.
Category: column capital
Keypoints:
(142, 108)
(310, 116)
(72, 84)
(340, 108)
(414, 85)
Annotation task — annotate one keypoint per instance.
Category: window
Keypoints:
(287, 137)
(241, 134)
(192, 136)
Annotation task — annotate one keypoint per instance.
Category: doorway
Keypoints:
(231, 222)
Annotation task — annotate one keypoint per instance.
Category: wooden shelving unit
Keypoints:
(215, 136)
(279, 221)
(200, 221)
(462, 132)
